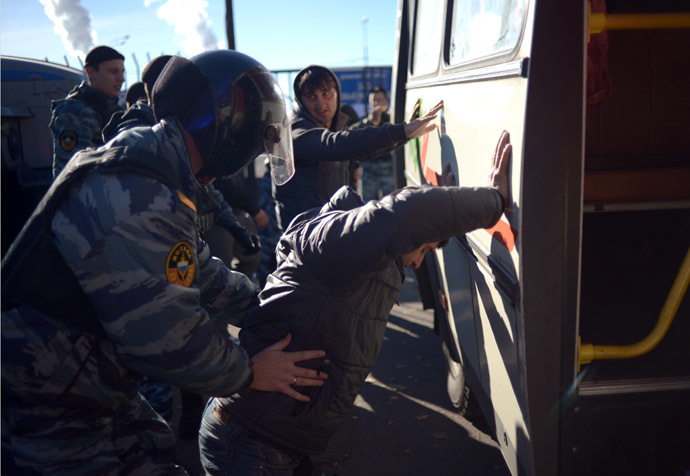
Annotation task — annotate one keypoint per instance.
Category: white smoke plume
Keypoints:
(73, 24)
(190, 22)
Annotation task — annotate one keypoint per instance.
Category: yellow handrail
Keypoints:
(589, 352)
(599, 22)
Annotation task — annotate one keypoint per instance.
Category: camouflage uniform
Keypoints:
(160, 394)
(70, 403)
(77, 122)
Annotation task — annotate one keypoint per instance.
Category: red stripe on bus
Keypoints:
(503, 233)
(432, 177)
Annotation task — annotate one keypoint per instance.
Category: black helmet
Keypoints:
(231, 106)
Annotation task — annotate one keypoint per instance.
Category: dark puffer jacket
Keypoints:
(340, 272)
(322, 156)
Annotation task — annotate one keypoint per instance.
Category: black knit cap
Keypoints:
(100, 54)
(134, 92)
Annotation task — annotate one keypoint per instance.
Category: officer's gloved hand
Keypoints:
(249, 241)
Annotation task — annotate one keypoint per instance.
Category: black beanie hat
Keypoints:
(100, 54)
(183, 91)
(134, 92)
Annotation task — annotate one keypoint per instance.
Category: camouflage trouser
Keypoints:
(134, 441)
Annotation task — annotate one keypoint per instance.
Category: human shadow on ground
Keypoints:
(403, 422)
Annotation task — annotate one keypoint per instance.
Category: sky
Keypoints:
(281, 34)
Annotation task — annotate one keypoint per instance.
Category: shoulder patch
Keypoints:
(180, 266)
(184, 199)
(68, 140)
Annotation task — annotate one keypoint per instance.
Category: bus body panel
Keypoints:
(468, 146)
(516, 300)
(28, 89)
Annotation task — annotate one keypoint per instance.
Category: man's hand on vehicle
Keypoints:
(419, 127)
(500, 162)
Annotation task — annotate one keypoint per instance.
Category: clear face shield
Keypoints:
(278, 147)
(277, 137)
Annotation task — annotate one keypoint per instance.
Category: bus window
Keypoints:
(427, 37)
(482, 28)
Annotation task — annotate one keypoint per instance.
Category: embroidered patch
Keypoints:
(68, 140)
(180, 267)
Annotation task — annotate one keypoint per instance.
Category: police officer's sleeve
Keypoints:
(75, 127)
(132, 244)
(226, 294)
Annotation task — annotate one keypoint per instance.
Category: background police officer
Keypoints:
(78, 119)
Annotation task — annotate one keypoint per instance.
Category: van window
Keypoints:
(484, 27)
(428, 36)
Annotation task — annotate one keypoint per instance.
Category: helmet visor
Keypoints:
(278, 147)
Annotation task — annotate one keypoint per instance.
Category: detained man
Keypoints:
(340, 271)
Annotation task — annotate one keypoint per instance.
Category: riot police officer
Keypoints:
(107, 281)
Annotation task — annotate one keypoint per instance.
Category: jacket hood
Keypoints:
(301, 110)
(346, 198)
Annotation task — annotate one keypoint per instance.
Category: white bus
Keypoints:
(568, 322)
(28, 88)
